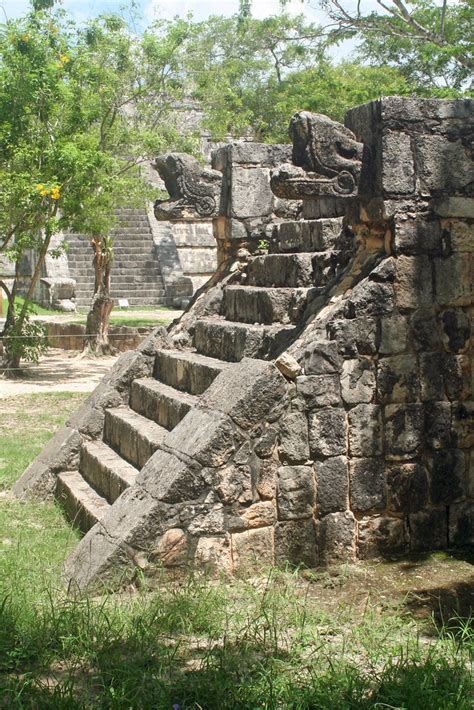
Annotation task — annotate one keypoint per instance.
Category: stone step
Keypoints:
(107, 472)
(218, 338)
(82, 504)
(159, 402)
(86, 256)
(129, 230)
(290, 270)
(133, 436)
(256, 304)
(310, 235)
(187, 371)
(130, 211)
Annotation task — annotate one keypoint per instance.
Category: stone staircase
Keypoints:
(258, 319)
(135, 273)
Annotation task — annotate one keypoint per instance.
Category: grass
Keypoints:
(38, 310)
(343, 640)
(130, 320)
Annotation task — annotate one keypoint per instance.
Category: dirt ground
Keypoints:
(69, 371)
(58, 371)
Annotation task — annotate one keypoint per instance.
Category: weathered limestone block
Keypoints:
(250, 192)
(313, 235)
(448, 475)
(367, 484)
(414, 282)
(393, 335)
(319, 390)
(294, 444)
(207, 519)
(204, 435)
(167, 478)
(265, 444)
(398, 379)
(443, 164)
(428, 530)
(381, 535)
(296, 492)
(461, 524)
(365, 430)
(99, 562)
(172, 549)
(214, 553)
(461, 236)
(444, 376)
(266, 478)
(408, 487)
(419, 237)
(438, 421)
(235, 484)
(370, 298)
(247, 392)
(424, 332)
(454, 277)
(332, 485)
(357, 336)
(259, 515)
(337, 538)
(398, 173)
(288, 366)
(327, 432)
(322, 358)
(456, 329)
(452, 206)
(61, 453)
(295, 542)
(358, 381)
(463, 424)
(404, 427)
(253, 550)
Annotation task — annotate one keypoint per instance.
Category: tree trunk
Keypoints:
(97, 328)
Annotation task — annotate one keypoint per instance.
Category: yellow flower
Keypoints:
(55, 193)
(39, 186)
(64, 58)
(25, 37)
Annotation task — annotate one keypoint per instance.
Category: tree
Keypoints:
(249, 76)
(430, 42)
(80, 109)
(232, 62)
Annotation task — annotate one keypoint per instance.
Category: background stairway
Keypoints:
(256, 317)
(135, 273)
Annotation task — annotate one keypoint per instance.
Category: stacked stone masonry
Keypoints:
(315, 404)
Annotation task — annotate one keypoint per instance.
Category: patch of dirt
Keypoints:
(58, 371)
(437, 585)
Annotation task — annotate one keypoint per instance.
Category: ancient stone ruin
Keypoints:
(313, 404)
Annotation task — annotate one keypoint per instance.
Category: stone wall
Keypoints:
(314, 405)
(248, 208)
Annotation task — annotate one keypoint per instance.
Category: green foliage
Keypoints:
(80, 109)
(430, 42)
(26, 338)
(250, 76)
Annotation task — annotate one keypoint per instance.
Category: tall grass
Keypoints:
(282, 640)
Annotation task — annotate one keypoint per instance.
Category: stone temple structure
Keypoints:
(314, 404)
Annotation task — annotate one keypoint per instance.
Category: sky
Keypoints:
(201, 9)
(154, 9)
